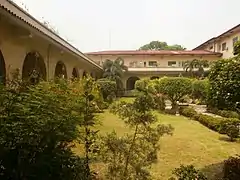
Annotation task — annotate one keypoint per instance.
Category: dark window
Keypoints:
(152, 63)
(172, 63)
(211, 47)
(224, 46)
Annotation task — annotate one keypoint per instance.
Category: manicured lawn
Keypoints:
(191, 143)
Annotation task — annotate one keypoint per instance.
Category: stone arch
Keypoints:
(131, 82)
(34, 68)
(75, 73)
(60, 70)
(154, 77)
(2, 69)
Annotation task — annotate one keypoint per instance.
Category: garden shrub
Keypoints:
(174, 88)
(187, 111)
(224, 113)
(231, 168)
(224, 79)
(188, 172)
(230, 127)
(108, 89)
(200, 90)
(37, 130)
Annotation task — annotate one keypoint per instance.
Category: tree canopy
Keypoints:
(158, 45)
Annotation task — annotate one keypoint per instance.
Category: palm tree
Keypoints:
(189, 66)
(114, 70)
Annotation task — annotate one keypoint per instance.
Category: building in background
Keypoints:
(152, 64)
(223, 43)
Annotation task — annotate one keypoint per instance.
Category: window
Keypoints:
(152, 63)
(172, 63)
(235, 40)
(224, 46)
(211, 48)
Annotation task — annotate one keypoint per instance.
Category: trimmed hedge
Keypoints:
(228, 126)
(224, 113)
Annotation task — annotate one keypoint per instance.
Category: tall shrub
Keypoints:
(130, 156)
(108, 88)
(174, 88)
(224, 81)
(200, 89)
(37, 130)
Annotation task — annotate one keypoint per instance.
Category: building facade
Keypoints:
(223, 43)
(152, 64)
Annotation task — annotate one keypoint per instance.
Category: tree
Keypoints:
(236, 48)
(108, 89)
(189, 66)
(175, 88)
(224, 79)
(114, 70)
(130, 156)
(37, 131)
(158, 45)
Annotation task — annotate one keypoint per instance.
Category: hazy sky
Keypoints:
(87, 24)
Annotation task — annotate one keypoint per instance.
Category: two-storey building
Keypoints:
(223, 43)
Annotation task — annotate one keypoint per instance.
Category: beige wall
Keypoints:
(229, 44)
(162, 61)
(15, 44)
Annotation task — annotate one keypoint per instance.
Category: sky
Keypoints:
(96, 25)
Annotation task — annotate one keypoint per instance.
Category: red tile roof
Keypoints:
(162, 52)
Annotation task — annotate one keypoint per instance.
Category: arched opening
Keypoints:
(60, 70)
(75, 73)
(2, 69)
(84, 74)
(34, 68)
(131, 83)
(154, 77)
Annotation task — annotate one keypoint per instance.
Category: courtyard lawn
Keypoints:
(191, 143)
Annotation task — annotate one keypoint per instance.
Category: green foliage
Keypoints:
(114, 70)
(130, 156)
(89, 93)
(38, 125)
(200, 89)
(148, 86)
(108, 89)
(190, 66)
(187, 111)
(224, 113)
(158, 45)
(230, 127)
(236, 48)
(175, 88)
(231, 168)
(188, 172)
(224, 81)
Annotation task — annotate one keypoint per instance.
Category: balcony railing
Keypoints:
(164, 69)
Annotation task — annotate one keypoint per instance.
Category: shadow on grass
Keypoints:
(214, 171)
(227, 139)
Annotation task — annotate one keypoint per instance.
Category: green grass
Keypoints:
(191, 143)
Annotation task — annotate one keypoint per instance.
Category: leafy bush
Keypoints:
(224, 113)
(230, 127)
(108, 89)
(224, 81)
(200, 89)
(159, 102)
(187, 111)
(174, 88)
(37, 128)
(130, 156)
(231, 168)
(188, 172)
